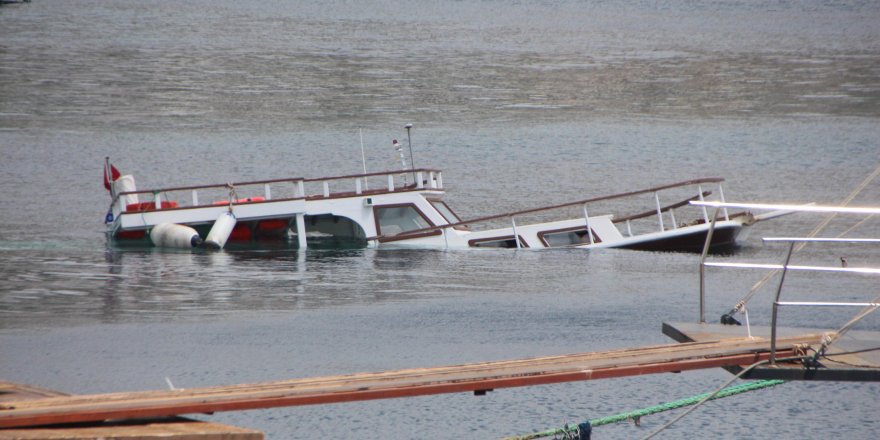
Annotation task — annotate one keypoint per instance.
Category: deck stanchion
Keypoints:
(659, 211)
(703, 267)
(267, 190)
(390, 183)
(705, 211)
(326, 189)
(357, 186)
(300, 189)
(195, 198)
(301, 230)
(721, 195)
(776, 305)
(589, 229)
(515, 235)
(157, 197)
(419, 180)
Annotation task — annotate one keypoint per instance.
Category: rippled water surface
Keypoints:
(519, 103)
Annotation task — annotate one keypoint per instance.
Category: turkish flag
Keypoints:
(113, 174)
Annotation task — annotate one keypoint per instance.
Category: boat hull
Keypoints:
(723, 241)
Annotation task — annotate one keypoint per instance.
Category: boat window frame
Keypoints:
(433, 201)
(596, 238)
(473, 243)
(399, 205)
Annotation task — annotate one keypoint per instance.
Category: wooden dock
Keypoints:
(478, 378)
(854, 357)
(168, 428)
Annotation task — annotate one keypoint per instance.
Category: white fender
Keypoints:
(174, 235)
(221, 230)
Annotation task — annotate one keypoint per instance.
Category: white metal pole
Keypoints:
(363, 158)
(515, 235)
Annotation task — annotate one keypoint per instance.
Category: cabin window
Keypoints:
(499, 242)
(445, 211)
(568, 238)
(393, 220)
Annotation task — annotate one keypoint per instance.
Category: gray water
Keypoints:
(519, 103)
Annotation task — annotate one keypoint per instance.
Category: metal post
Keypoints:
(705, 211)
(363, 157)
(268, 190)
(301, 230)
(706, 246)
(195, 197)
(326, 189)
(412, 160)
(589, 229)
(721, 194)
(390, 183)
(748, 324)
(108, 174)
(301, 188)
(419, 180)
(776, 305)
(357, 186)
(157, 197)
(659, 211)
(515, 234)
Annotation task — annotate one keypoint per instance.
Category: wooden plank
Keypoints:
(399, 383)
(168, 428)
(851, 358)
(16, 391)
(165, 429)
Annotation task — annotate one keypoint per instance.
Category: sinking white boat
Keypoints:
(406, 209)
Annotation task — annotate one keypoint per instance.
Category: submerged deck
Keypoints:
(478, 378)
(854, 357)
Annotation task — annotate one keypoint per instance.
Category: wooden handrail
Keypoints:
(561, 205)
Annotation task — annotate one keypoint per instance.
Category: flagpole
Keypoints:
(363, 158)
(108, 175)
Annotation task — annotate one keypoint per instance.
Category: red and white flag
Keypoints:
(110, 174)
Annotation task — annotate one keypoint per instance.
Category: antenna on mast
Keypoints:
(399, 149)
(363, 157)
(412, 160)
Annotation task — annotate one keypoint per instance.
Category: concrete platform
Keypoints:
(169, 428)
(855, 357)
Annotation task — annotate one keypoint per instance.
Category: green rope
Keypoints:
(635, 415)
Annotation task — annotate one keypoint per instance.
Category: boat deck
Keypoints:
(854, 357)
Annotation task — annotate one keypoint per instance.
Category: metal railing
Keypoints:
(786, 266)
(302, 188)
(657, 211)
